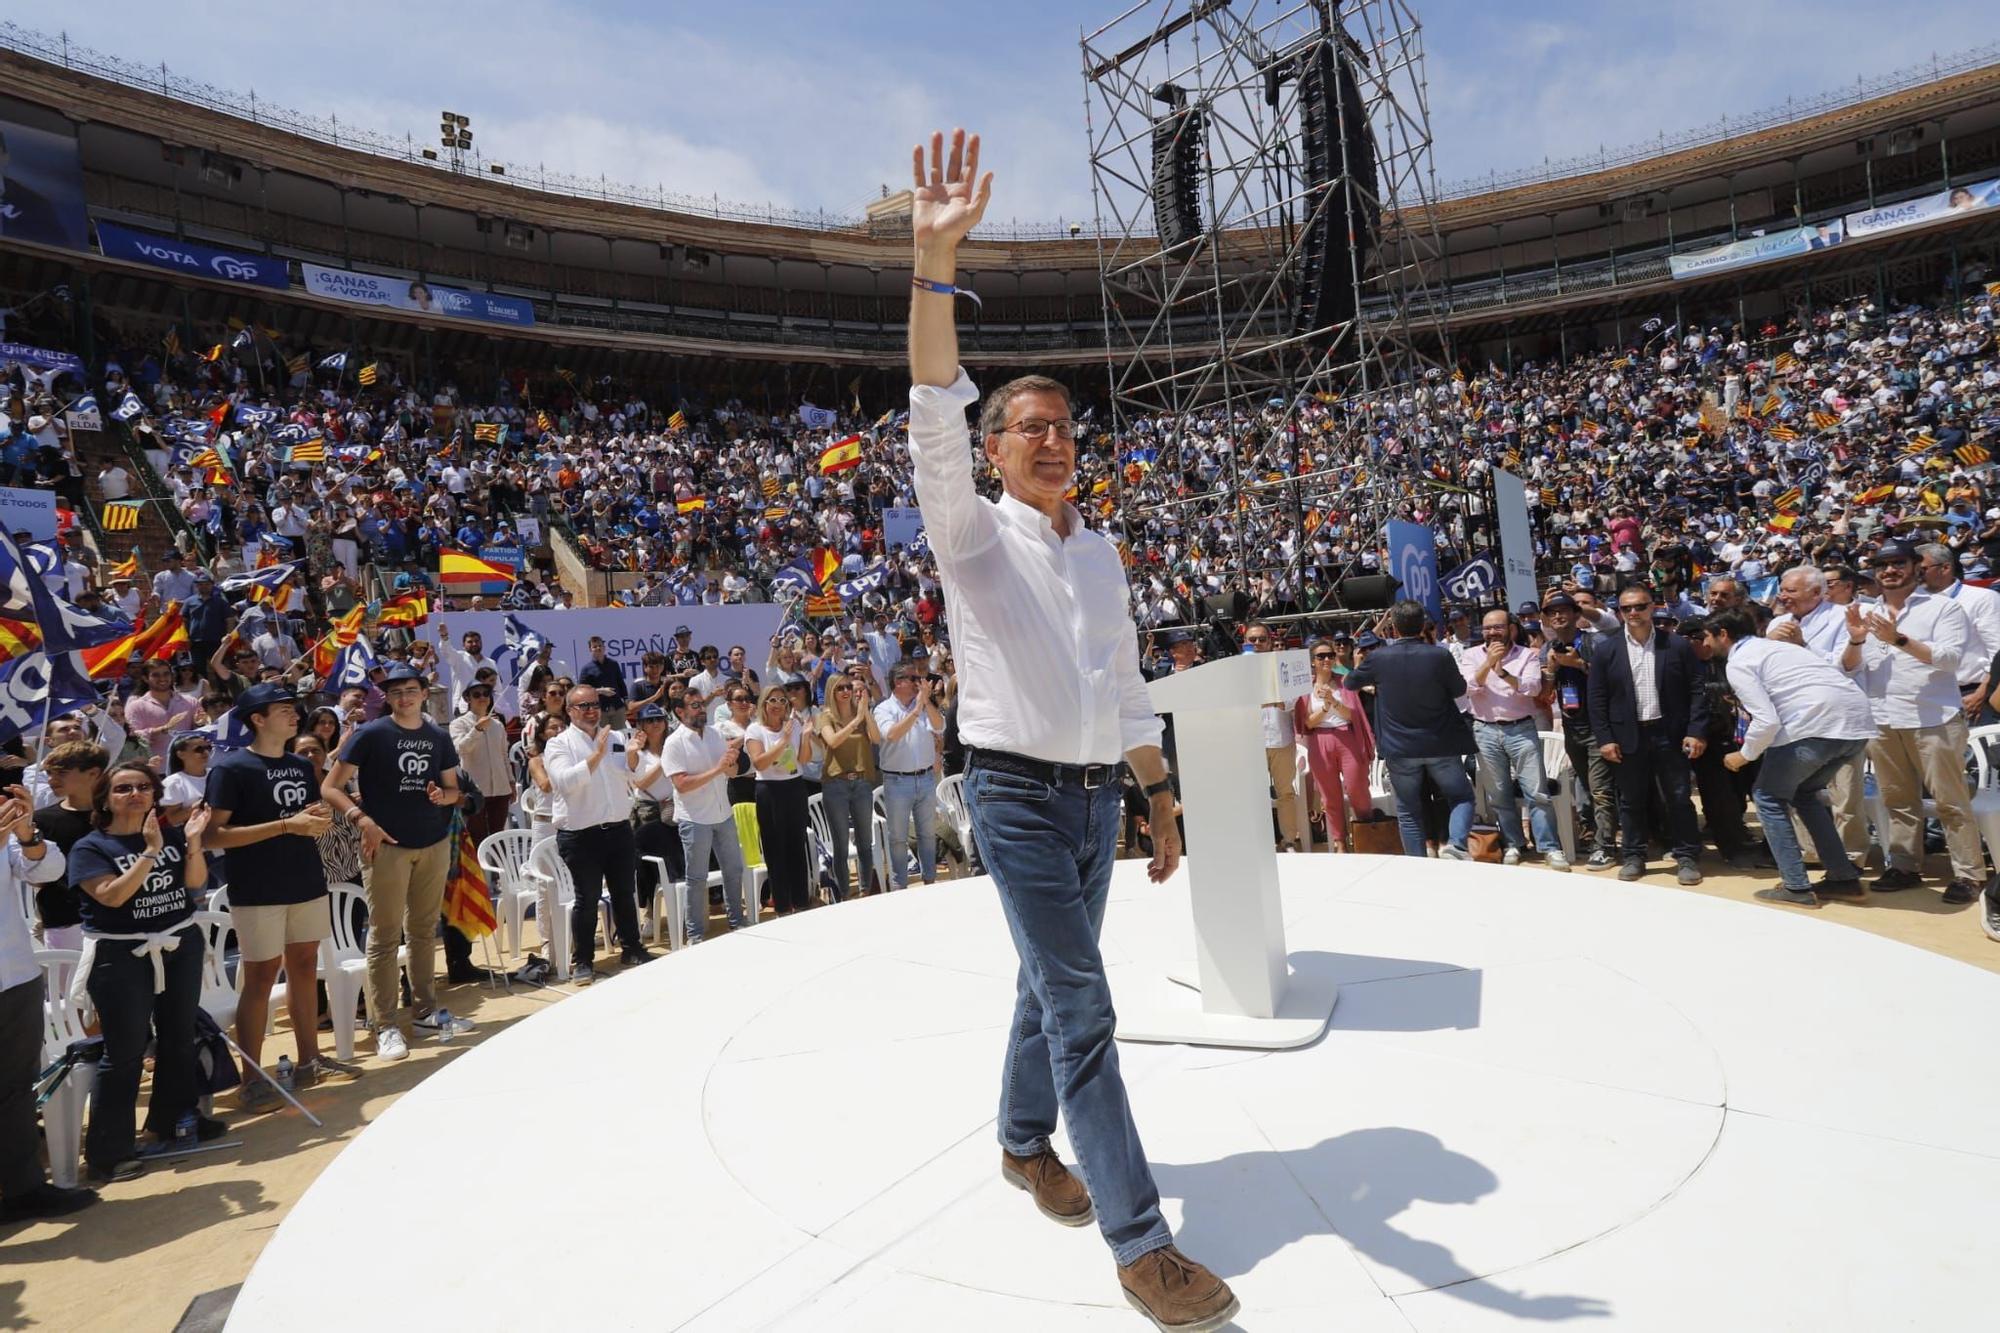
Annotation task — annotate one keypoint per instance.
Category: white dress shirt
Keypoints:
(1824, 628)
(1982, 607)
(1794, 694)
(585, 798)
(17, 946)
(689, 751)
(1905, 693)
(1639, 655)
(460, 668)
(1048, 656)
(915, 751)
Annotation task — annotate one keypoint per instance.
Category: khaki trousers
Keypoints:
(1850, 810)
(1908, 760)
(1283, 761)
(405, 895)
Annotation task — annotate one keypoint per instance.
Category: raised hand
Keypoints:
(196, 826)
(17, 817)
(150, 830)
(945, 205)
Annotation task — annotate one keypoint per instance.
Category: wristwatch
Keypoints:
(1902, 640)
(1163, 785)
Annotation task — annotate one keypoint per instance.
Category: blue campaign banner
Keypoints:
(416, 296)
(195, 260)
(629, 632)
(1413, 561)
(41, 187)
(39, 358)
(510, 556)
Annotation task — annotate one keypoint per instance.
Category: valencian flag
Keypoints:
(367, 375)
(1789, 500)
(543, 420)
(18, 638)
(125, 569)
(1972, 455)
(468, 905)
(824, 604)
(312, 451)
(297, 365)
(405, 611)
(158, 642)
(122, 515)
(1783, 434)
(458, 567)
(345, 631)
(1825, 420)
(841, 455)
(487, 432)
(678, 421)
(771, 487)
(1786, 363)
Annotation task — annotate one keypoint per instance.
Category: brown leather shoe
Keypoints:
(1057, 1193)
(1176, 1293)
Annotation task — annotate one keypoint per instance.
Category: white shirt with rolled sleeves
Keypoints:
(1904, 692)
(689, 751)
(1982, 608)
(1048, 656)
(585, 797)
(915, 751)
(17, 946)
(1794, 694)
(1824, 628)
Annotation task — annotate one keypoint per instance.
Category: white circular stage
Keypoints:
(1543, 1097)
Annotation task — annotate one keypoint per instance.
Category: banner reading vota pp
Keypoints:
(1930, 208)
(1757, 250)
(420, 297)
(195, 260)
(41, 187)
(629, 632)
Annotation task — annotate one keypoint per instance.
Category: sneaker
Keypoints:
(1632, 869)
(1852, 888)
(1891, 880)
(580, 977)
(1960, 891)
(307, 1075)
(256, 1095)
(1555, 861)
(389, 1044)
(1599, 859)
(1449, 851)
(1176, 1293)
(1989, 914)
(1688, 873)
(46, 1201)
(1511, 857)
(444, 1021)
(635, 956)
(130, 1168)
(1780, 894)
(1057, 1192)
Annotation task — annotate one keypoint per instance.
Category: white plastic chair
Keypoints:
(221, 994)
(1981, 744)
(951, 805)
(819, 841)
(504, 858)
(557, 896)
(218, 901)
(1561, 775)
(63, 1023)
(1302, 796)
(343, 966)
(1380, 790)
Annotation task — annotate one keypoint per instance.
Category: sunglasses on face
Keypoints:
(1322, 657)
(129, 789)
(1635, 610)
(585, 708)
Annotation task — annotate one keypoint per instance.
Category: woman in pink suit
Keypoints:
(1339, 746)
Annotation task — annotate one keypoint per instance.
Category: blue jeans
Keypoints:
(1050, 849)
(698, 841)
(1447, 774)
(850, 805)
(902, 798)
(1791, 778)
(1512, 752)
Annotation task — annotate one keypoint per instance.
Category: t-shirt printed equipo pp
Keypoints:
(395, 766)
(256, 789)
(162, 902)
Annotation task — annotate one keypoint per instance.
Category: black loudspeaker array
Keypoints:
(1177, 139)
(1369, 592)
(1328, 253)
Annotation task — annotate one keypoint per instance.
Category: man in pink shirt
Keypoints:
(158, 713)
(1503, 679)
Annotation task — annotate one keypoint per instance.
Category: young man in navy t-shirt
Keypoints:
(266, 815)
(407, 772)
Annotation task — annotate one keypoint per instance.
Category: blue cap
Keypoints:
(401, 671)
(652, 713)
(260, 697)
(1174, 636)
(1368, 639)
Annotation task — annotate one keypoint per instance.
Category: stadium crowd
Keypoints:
(1759, 547)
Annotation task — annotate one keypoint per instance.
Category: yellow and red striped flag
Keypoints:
(122, 515)
(458, 567)
(468, 904)
(1875, 495)
(1782, 433)
(841, 455)
(157, 642)
(1972, 455)
(1789, 500)
(18, 638)
(345, 631)
(678, 421)
(125, 569)
(692, 506)
(405, 612)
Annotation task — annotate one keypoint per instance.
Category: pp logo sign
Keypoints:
(413, 763)
(291, 794)
(229, 266)
(1413, 571)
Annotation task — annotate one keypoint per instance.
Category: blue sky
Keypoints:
(815, 105)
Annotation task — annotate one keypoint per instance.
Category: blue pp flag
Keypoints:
(37, 687)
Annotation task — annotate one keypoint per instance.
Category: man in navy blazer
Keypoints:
(1420, 731)
(1649, 716)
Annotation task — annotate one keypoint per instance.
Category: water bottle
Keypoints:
(285, 1071)
(184, 1129)
(445, 1024)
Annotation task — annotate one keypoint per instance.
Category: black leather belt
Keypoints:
(1091, 776)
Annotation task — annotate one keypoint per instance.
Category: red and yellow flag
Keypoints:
(18, 638)
(841, 455)
(458, 567)
(406, 611)
(825, 565)
(345, 631)
(693, 506)
(125, 569)
(467, 903)
(157, 642)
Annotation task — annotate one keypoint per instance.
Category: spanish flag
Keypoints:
(841, 455)
(695, 505)
(1875, 495)
(1782, 522)
(405, 612)
(213, 354)
(468, 905)
(158, 642)
(18, 638)
(456, 567)
(825, 565)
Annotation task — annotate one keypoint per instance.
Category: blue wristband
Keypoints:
(945, 289)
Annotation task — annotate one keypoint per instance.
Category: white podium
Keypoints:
(1245, 992)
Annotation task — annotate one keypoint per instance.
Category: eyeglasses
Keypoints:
(1637, 609)
(1322, 657)
(1036, 429)
(128, 789)
(196, 749)
(586, 708)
